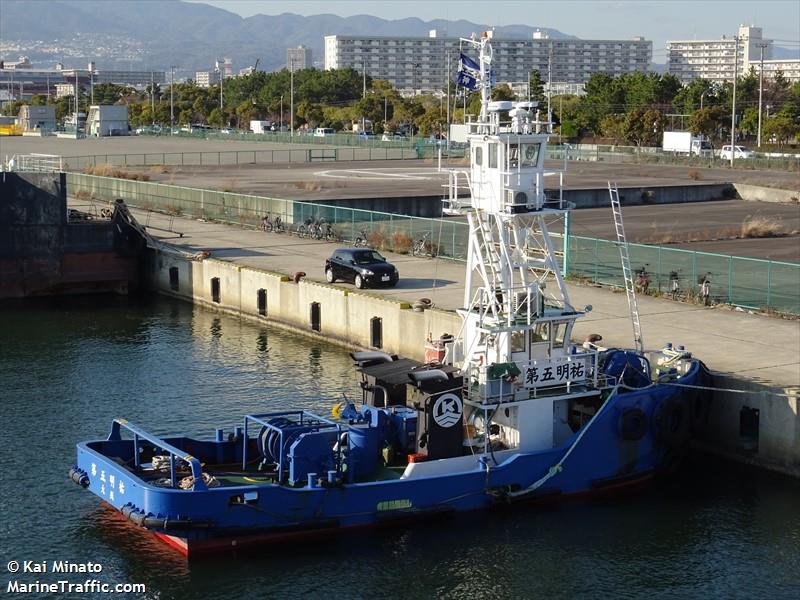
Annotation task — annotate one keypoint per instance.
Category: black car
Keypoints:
(362, 266)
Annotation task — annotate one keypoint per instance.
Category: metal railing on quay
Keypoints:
(739, 281)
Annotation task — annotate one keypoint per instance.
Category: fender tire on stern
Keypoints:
(672, 424)
(632, 424)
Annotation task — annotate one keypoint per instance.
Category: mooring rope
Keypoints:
(557, 468)
(732, 390)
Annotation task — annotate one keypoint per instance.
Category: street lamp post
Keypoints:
(291, 100)
(701, 98)
(760, 90)
(733, 108)
(171, 100)
(280, 129)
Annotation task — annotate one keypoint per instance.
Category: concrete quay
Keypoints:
(756, 354)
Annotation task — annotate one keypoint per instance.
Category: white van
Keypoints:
(323, 131)
(739, 152)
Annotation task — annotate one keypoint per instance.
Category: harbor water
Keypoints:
(69, 366)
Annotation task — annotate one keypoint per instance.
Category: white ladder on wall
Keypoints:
(630, 289)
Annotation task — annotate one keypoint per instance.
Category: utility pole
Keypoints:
(280, 129)
(733, 109)
(291, 99)
(152, 100)
(447, 74)
(91, 85)
(529, 86)
(549, 79)
(171, 100)
(760, 90)
(363, 91)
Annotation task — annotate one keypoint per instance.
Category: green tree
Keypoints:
(502, 92)
(783, 128)
(708, 121)
(643, 127)
(749, 122)
(536, 88)
(613, 127)
(215, 118)
(688, 98)
(569, 130)
(602, 98)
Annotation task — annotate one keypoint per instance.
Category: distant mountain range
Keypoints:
(154, 34)
(159, 33)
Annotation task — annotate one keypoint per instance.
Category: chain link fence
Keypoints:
(739, 281)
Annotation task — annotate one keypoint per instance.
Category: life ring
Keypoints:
(673, 423)
(632, 424)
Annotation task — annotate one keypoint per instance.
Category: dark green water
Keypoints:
(68, 367)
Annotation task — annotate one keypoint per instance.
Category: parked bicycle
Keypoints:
(269, 225)
(361, 240)
(674, 284)
(422, 246)
(304, 228)
(329, 233)
(642, 281)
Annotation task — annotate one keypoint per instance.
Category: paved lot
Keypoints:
(672, 224)
(396, 177)
(130, 144)
(413, 178)
(754, 346)
(581, 174)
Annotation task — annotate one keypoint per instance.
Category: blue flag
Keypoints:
(468, 72)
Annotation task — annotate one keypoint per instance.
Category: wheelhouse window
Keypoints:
(559, 332)
(517, 341)
(530, 154)
(478, 155)
(541, 333)
(492, 156)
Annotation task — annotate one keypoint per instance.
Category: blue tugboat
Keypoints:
(509, 409)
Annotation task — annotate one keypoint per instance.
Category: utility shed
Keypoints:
(37, 118)
(107, 120)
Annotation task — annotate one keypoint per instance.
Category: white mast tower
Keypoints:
(514, 347)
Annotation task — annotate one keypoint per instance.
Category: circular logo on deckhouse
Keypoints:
(447, 410)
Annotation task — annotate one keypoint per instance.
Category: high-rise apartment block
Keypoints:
(298, 58)
(714, 59)
(426, 63)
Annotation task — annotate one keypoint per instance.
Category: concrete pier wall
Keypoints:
(761, 427)
(42, 253)
(344, 316)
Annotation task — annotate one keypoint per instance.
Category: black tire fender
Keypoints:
(632, 424)
(673, 423)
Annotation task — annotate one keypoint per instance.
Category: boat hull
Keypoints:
(608, 455)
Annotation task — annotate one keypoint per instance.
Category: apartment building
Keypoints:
(789, 67)
(714, 60)
(426, 63)
(298, 58)
(205, 79)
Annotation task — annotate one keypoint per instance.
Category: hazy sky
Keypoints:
(656, 20)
